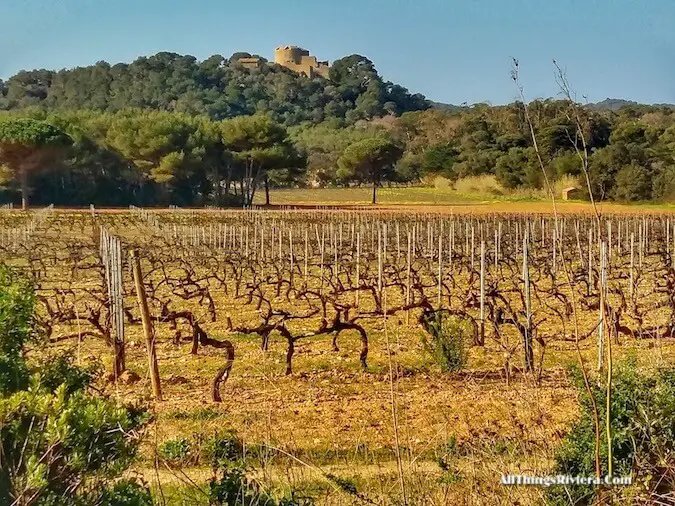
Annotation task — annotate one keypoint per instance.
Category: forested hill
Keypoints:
(216, 87)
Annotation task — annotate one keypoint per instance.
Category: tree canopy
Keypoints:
(369, 160)
(159, 157)
(25, 146)
(216, 87)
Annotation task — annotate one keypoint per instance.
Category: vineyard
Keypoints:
(304, 330)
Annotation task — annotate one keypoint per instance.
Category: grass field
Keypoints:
(439, 200)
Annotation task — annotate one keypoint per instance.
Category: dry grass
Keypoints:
(470, 195)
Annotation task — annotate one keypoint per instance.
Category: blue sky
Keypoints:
(450, 51)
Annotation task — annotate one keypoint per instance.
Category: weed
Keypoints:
(446, 342)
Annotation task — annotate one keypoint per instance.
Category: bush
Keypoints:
(446, 455)
(232, 485)
(446, 342)
(176, 451)
(17, 301)
(643, 429)
(486, 183)
(222, 448)
(235, 488)
(54, 371)
(58, 444)
(217, 450)
(127, 493)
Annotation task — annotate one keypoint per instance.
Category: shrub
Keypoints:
(447, 454)
(59, 444)
(235, 488)
(446, 342)
(643, 429)
(17, 301)
(127, 493)
(447, 457)
(55, 371)
(175, 451)
(222, 448)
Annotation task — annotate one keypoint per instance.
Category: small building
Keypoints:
(572, 193)
(249, 63)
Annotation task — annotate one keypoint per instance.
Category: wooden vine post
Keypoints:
(602, 290)
(111, 257)
(632, 266)
(482, 291)
(527, 345)
(148, 329)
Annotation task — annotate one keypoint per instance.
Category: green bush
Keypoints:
(58, 443)
(643, 428)
(53, 371)
(447, 340)
(232, 484)
(219, 449)
(176, 451)
(447, 454)
(127, 493)
(235, 488)
(222, 448)
(17, 301)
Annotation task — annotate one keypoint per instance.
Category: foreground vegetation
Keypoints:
(59, 444)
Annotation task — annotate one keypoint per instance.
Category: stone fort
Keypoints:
(300, 61)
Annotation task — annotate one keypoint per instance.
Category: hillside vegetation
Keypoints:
(169, 129)
(216, 87)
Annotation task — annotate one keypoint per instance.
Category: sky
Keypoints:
(451, 51)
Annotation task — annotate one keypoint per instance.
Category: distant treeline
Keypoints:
(171, 130)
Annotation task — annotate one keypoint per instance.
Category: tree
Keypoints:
(258, 144)
(440, 160)
(518, 168)
(371, 160)
(216, 87)
(324, 144)
(160, 144)
(632, 183)
(26, 145)
(285, 166)
(663, 185)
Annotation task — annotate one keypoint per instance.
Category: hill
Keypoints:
(217, 87)
(611, 104)
(441, 106)
(615, 104)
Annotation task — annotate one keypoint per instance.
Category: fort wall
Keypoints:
(299, 60)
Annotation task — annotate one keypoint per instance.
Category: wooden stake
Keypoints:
(529, 354)
(148, 329)
(482, 291)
